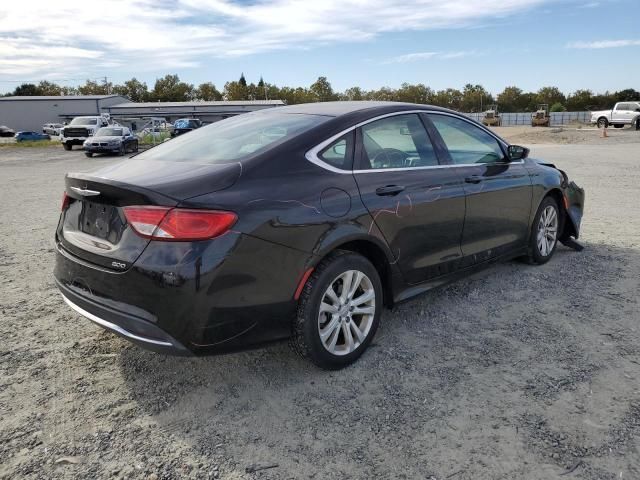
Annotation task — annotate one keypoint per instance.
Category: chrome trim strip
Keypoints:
(113, 326)
(312, 154)
(84, 192)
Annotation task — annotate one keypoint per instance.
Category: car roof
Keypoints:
(336, 109)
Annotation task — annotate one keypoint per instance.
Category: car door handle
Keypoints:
(389, 190)
(473, 179)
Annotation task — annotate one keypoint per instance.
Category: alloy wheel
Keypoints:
(346, 313)
(547, 230)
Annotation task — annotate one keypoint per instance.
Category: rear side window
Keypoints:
(234, 138)
(340, 153)
(400, 141)
(467, 143)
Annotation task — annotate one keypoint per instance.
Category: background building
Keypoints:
(30, 113)
(171, 111)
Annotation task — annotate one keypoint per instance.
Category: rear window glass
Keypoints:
(234, 138)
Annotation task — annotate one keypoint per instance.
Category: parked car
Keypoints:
(185, 125)
(6, 131)
(52, 128)
(111, 140)
(229, 237)
(623, 113)
(24, 136)
(81, 128)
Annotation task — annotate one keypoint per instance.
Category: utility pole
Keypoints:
(106, 86)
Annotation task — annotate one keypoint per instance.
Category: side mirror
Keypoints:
(516, 152)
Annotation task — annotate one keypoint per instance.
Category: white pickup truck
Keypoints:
(81, 128)
(623, 113)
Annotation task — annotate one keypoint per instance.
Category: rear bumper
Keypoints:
(134, 329)
(178, 298)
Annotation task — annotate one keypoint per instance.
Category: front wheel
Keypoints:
(603, 123)
(338, 311)
(67, 146)
(88, 154)
(544, 232)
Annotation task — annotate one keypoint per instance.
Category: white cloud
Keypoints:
(604, 44)
(418, 56)
(40, 38)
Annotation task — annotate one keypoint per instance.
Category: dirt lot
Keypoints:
(518, 372)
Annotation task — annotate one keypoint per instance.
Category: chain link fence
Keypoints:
(524, 118)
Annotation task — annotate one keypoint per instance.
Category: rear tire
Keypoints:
(338, 311)
(544, 232)
(67, 146)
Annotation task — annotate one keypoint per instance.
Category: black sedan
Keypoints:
(301, 222)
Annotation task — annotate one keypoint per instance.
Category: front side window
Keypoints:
(234, 138)
(467, 143)
(340, 153)
(400, 141)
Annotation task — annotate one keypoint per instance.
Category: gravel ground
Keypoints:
(517, 372)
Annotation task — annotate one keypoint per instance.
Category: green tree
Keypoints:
(550, 95)
(384, 94)
(133, 89)
(208, 92)
(322, 90)
(235, 91)
(242, 80)
(627, 95)
(353, 93)
(419, 93)
(579, 100)
(91, 87)
(449, 98)
(171, 89)
(513, 99)
(26, 89)
(557, 107)
(49, 88)
(475, 98)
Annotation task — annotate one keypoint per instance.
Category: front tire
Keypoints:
(67, 146)
(88, 154)
(603, 123)
(544, 232)
(338, 311)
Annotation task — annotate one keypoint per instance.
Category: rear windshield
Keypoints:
(184, 123)
(233, 138)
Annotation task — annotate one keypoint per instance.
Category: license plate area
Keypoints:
(102, 221)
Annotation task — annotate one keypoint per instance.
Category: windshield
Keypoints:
(109, 132)
(84, 121)
(184, 123)
(233, 138)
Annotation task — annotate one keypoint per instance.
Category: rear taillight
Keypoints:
(178, 224)
(66, 200)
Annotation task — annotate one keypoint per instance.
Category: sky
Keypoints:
(570, 44)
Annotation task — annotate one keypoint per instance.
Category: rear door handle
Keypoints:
(473, 179)
(389, 190)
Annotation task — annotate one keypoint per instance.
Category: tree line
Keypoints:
(472, 98)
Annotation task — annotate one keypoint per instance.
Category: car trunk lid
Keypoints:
(93, 226)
